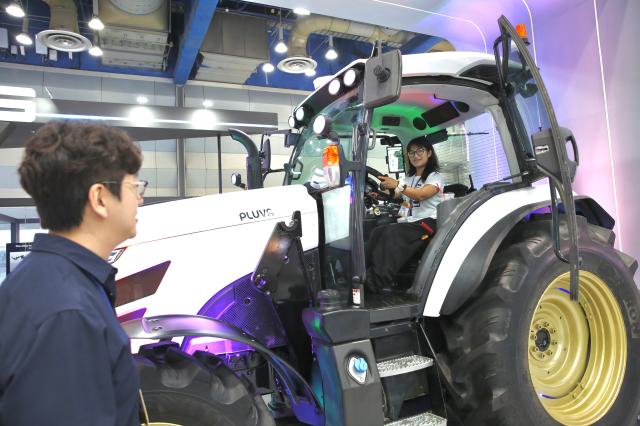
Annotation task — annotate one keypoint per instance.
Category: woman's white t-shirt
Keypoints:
(413, 210)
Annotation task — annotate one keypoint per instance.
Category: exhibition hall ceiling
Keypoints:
(230, 41)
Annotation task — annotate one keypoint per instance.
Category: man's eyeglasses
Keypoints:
(140, 185)
(416, 152)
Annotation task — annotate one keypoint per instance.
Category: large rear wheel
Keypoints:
(521, 352)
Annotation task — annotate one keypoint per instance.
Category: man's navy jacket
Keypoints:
(64, 358)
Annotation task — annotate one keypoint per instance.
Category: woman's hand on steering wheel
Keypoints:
(387, 182)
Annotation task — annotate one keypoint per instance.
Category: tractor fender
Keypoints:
(467, 259)
(306, 408)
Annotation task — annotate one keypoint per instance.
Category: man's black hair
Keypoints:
(61, 162)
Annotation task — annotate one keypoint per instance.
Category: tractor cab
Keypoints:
(451, 98)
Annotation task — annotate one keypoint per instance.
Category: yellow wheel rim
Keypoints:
(577, 351)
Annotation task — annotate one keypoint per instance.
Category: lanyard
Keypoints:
(413, 182)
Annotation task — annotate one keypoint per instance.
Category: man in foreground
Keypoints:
(64, 359)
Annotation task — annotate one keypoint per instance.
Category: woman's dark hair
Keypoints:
(61, 162)
(432, 163)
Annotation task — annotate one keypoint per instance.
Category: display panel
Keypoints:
(395, 159)
(15, 253)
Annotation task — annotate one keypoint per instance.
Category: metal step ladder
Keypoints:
(424, 419)
(402, 365)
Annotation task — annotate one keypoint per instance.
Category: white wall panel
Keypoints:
(11, 156)
(166, 160)
(126, 91)
(22, 78)
(13, 193)
(9, 177)
(73, 87)
(195, 160)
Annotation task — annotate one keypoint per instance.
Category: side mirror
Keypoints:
(395, 159)
(265, 156)
(547, 157)
(291, 139)
(382, 79)
(236, 180)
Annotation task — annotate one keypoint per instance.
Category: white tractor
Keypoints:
(519, 312)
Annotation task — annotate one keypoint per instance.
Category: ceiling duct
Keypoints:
(234, 46)
(297, 61)
(136, 33)
(442, 46)
(63, 33)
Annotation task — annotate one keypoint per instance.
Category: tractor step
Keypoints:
(424, 419)
(402, 365)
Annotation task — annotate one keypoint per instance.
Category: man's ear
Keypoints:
(97, 200)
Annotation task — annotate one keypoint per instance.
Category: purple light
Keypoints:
(242, 305)
(132, 315)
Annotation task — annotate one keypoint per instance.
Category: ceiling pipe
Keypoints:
(298, 61)
(63, 33)
(303, 27)
(442, 46)
(64, 15)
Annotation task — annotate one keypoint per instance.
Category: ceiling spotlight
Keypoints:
(310, 72)
(268, 67)
(334, 86)
(207, 103)
(142, 100)
(331, 53)
(95, 51)
(96, 24)
(24, 39)
(281, 47)
(301, 11)
(14, 9)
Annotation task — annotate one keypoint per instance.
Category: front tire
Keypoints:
(180, 389)
(522, 353)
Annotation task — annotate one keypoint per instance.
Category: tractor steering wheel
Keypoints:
(372, 191)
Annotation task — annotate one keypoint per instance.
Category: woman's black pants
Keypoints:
(391, 246)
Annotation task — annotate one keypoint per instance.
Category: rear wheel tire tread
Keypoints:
(478, 335)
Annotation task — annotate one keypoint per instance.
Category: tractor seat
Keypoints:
(404, 278)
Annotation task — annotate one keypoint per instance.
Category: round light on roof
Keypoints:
(320, 124)
(310, 72)
(300, 112)
(334, 86)
(350, 77)
(24, 39)
(268, 67)
(292, 121)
